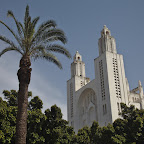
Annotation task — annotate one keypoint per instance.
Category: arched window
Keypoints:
(107, 32)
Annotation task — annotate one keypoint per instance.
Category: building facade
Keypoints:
(100, 98)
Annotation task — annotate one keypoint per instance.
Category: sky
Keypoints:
(82, 22)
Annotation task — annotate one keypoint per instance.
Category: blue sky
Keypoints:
(82, 21)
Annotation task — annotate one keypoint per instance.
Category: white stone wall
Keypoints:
(134, 99)
(104, 107)
(70, 100)
(116, 82)
(80, 96)
(77, 81)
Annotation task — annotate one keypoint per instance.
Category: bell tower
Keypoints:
(77, 81)
(110, 76)
(106, 42)
(78, 67)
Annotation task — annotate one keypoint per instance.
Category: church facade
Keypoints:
(100, 98)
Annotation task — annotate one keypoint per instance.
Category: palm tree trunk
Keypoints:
(24, 76)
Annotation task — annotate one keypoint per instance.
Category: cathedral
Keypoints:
(100, 98)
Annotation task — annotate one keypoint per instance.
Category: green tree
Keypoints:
(130, 129)
(7, 122)
(107, 134)
(42, 128)
(50, 128)
(120, 125)
(35, 103)
(55, 128)
(35, 127)
(31, 44)
(8, 113)
(96, 133)
(11, 97)
(35, 121)
(102, 135)
(83, 136)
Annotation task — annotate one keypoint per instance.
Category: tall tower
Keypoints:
(78, 80)
(106, 42)
(110, 76)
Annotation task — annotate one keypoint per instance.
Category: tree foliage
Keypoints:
(7, 122)
(35, 103)
(131, 127)
(50, 128)
(43, 128)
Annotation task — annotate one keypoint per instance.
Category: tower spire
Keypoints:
(106, 42)
(78, 66)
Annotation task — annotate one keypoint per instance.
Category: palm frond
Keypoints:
(59, 49)
(30, 32)
(49, 57)
(22, 40)
(53, 38)
(20, 32)
(10, 49)
(26, 15)
(50, 35)
(6, 40)
(54, 31)
(34, 21)
(27, 27)
(16, 37)
(46, 25)
(43, 27)
(36, 50)
(21, 26)
(27, 23)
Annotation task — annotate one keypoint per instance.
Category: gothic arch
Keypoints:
(87, 107)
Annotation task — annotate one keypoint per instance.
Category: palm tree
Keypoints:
(32, 44)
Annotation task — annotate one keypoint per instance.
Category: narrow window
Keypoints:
(105, 109)
(118, 105)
